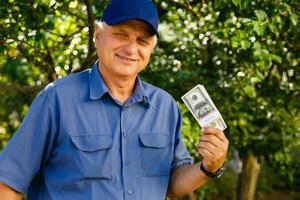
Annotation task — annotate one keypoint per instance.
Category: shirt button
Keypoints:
(124, 134)
(129, 191)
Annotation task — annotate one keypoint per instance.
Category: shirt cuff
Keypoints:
(13, 184)
(181, 163)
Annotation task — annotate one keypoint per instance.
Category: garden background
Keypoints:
(245, 52)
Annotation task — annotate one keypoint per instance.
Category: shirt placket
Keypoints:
(126, 170)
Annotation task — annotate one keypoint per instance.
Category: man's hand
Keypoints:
(213, 146)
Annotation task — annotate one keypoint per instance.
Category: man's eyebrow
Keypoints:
(144, 38)
(120, 30)
(145, 41)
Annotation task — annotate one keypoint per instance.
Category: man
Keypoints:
(104, 133)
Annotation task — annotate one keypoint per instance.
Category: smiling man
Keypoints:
(104, 133)
(124, 50)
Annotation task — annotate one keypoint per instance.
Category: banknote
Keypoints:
(203, 109)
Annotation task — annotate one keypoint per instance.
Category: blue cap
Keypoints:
(119, 11)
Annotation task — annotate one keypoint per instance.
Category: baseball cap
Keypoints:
(119, 11)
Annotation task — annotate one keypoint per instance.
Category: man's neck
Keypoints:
(121, 88)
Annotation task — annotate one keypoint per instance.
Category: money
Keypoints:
(203, 108)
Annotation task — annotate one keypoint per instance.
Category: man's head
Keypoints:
(126, 37)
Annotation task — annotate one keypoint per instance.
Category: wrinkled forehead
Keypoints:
(136, 25)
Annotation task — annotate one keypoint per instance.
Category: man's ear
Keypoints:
(96, 32)
(155, 43)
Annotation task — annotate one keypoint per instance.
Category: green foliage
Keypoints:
(246, 53)
(40, 42)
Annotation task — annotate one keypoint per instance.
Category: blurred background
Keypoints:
(246, 53)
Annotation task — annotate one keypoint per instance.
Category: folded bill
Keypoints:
(203, 109)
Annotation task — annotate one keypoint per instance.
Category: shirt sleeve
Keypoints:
(181, 155)
(30, 147)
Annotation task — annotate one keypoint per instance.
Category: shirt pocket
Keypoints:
(156, 155)
(92, 155)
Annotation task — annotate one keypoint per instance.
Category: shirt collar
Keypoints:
(139, 94)
(98, 87)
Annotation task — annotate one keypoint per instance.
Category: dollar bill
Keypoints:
(203, 109)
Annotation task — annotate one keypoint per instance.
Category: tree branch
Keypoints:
(51, 66)
(91, 56)
(91, 24)
(187, 7)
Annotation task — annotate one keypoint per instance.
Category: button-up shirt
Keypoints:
(78, 142)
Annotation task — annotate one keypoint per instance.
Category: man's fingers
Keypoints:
(211, 139)
(213, 146)
(205, 153)
(208, 146)
(214, 131)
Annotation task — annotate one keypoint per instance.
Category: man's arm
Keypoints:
(7, 193)
(213, 146)
(186, 179)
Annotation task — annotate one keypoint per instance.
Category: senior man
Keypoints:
(104, 133)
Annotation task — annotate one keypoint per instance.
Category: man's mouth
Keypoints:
(126, 58)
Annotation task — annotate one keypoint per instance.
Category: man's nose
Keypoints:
(131, 47)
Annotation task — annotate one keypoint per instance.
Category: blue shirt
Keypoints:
(78, 142)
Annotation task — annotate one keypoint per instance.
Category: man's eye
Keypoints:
(143, 42)
(121, 34)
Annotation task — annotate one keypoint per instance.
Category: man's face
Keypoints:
(124, 49)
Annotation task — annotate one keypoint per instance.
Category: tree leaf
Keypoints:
(259, 27)
(245, 44)
(261, 15)
(246, 4)
(294, 19)
(275, 58)
(235, 41)
(219, 4)
(236, 2)
(250, 91)
(273, 27)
